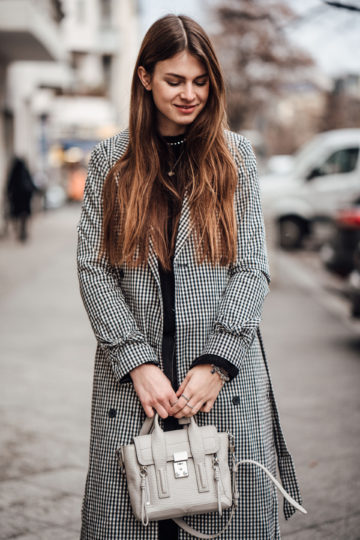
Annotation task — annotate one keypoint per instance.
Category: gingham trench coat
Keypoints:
(218, 311)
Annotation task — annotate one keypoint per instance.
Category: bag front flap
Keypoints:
(176, 441)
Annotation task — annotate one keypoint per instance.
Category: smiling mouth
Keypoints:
(185, 106)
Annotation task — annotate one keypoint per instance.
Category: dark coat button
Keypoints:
(121, 273)
(236, 400)
(112, 413)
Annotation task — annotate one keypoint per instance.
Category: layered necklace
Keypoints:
(176, 143)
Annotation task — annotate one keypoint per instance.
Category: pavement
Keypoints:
(46, 376)
(46, 372)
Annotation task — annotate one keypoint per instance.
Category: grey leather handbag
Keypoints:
(182, 472)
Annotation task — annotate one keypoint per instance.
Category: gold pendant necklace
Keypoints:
(172, 170)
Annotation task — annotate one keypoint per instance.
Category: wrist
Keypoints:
(140, 367)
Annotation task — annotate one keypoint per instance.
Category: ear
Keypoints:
(144, 77)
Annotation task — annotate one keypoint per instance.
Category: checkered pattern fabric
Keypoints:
(218, 310)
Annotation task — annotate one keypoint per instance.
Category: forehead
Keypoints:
(183, 64)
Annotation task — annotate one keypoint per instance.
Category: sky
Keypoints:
(330, 35)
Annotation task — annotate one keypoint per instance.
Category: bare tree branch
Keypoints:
(341, 5)
(257, 58)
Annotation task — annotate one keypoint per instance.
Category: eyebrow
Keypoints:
(181, 77)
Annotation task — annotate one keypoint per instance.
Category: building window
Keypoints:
(107, 65)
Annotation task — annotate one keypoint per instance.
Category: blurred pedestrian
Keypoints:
(20, 190)
(173, 274)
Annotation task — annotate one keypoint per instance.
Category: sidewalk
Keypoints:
(45, 412)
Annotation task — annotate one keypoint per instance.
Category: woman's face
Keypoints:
(180, 89)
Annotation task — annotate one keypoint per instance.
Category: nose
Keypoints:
(187, 92)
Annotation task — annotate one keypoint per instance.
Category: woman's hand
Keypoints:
(153, 389)
(201, 387)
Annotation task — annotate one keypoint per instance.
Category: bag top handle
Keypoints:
(149, 423)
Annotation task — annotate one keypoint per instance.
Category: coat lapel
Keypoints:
(184, 226)
(153, 263)
(181, 237)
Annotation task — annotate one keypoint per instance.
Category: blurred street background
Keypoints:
(293, 79)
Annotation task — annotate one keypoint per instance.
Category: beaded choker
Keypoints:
(176, 143)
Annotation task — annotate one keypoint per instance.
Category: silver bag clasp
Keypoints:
(180, 464)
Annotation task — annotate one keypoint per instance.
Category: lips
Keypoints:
(186, 109)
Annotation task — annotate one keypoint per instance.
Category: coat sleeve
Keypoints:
(112, 321)
(240, 307)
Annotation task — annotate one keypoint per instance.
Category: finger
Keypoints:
(183, 385)
(182, 408)
(208, 406)
(178, 406)
(173, 402)
(186, 391)
(172, 397)
(189, 409)
(194, 397)
(166, 403)
(161, 410)
(193, 409)
(149, 411)
(203, 406)
(181, 388)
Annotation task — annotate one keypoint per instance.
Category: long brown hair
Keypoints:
(136, 190)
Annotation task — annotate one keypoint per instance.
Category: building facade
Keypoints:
(29, 31)
(66, 76)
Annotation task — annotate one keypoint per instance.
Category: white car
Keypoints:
(323, 176)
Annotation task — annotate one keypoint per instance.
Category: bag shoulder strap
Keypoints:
(181, 523)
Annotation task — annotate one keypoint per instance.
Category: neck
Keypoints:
(169, 129)
(172, 134)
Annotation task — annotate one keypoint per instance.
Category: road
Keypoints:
(314, 352)
(46, 375)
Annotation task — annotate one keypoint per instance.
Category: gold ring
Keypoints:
(187, 398)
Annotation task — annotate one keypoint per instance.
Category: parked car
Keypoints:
(324, 175)
(341, 254)
(281, 163)
(354, 285)
(338, 253)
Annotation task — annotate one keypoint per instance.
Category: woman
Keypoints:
(173, 273)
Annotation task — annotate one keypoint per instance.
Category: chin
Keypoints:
(186, 121)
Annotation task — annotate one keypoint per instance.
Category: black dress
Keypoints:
(168, 530)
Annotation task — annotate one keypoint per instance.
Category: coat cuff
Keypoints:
(127, 357)
(229, 345)
(231, 370)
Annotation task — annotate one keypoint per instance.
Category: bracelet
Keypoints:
(221, 371)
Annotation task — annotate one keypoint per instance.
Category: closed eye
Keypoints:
(200, 82)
